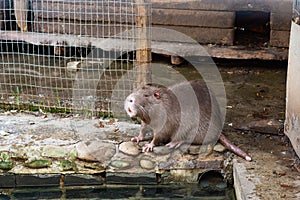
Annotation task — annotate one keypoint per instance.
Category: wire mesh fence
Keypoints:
(71, 55)
(296, 7)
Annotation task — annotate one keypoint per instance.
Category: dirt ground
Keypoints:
(256, 96)
(255, 116)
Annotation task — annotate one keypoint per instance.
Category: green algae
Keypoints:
(40, 163)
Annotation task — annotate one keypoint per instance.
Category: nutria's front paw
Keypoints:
(137, 139)
(148, 147)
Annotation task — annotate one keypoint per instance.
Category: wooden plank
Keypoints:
(193, 18)
(89, 11)
(281, 21)
(225, 5)
(279, 38)
(159, 47)
(85, 29)
(201, 35)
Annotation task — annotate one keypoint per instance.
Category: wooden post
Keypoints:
(20, 10)
(143, 43)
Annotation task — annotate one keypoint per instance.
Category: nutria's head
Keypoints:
(139, 103)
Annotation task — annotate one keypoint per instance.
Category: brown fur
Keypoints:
(172, 122)
(184, 113)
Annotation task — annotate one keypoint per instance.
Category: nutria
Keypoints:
(187, 112)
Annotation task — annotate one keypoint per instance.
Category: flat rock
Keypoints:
(54, 152)
(147, 164)
(120, 164)
(129, 148)
(95, 151)
(162, 150)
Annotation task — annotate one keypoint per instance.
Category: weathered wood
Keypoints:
(225, 5)
(83, 29)
(193, 18)
(279, 38)
(89, 11)
(281, 21)
(143, 44)
(21, 10)
(202, 35)
(159, 47)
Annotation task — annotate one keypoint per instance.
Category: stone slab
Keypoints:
(7, 180)
(131, 179)
(45, 180)
(280, 21)
(82, 179)
(196, 18)
(244, 187)
(279, 38)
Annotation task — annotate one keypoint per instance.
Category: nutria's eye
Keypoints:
(157, 95)
(130, 101)
(146, 95)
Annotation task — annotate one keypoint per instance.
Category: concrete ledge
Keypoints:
(243, 182)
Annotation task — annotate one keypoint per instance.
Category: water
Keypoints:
(173, 191)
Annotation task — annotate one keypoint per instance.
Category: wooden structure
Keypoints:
(206, 21)
(214, 21)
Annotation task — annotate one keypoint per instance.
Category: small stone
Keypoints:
(4, 133)
(120, 164)
(54, 152)
(219, 148)
(129, 148)
(95, 151)
(147, 164)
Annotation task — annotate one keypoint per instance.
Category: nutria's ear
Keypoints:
(157, 95)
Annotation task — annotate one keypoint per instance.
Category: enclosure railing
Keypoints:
(73, 56)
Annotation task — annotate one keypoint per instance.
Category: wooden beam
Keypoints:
(143, 43)
(159, 47)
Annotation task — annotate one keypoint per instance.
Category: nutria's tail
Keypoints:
(229, 145)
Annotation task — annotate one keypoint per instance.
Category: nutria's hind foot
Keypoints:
(137, 139)
(174, 145)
